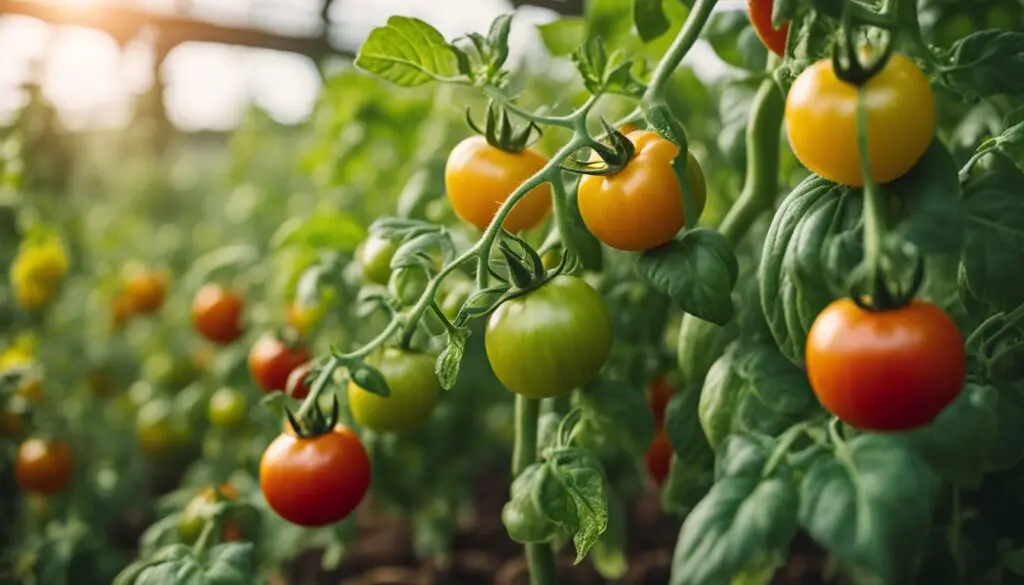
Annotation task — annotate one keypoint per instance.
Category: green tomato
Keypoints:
(227, 408)
(415, 392)
(408, 284)
(159, 434)
(457, 295)
(550, 340)
(374, 256)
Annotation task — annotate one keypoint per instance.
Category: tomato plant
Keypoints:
(313, 481)
(217, 314)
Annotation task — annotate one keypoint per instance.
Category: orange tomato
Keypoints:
(43, 467)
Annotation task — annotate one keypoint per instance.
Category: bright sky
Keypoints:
(93, 83)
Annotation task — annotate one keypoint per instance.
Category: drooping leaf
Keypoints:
(451, 357)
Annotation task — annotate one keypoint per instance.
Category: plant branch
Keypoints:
(684, 41)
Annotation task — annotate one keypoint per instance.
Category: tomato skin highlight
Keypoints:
(43, 467)
(885, 371)
(479, 177)
(415, 392)
(315, 481)
(217, 314)
(550, 340)
(271, 362)
(821, 121)
(760, 12)
(658, 458)
(641, 206)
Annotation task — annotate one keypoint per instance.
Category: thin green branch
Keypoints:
(684, 41)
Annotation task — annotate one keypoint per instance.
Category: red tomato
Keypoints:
(885, 370)
(315, 481)
(659, 457)
(44, 467)
(760, 12)
(271, 361)
(217, 314)
(659, 395)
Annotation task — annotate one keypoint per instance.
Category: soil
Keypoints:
(484, 555)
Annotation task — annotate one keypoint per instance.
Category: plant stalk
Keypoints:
(686, 38)
(540, 560)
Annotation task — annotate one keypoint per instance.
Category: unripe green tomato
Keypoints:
(407, 284)
(415, 392)
(159, 434)
(457, 295)
(374, 257)
(551, 259)
(227, 408)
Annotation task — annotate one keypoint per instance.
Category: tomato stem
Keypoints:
(874, 225)
(205, 536)
(539, 558)
(698, 17)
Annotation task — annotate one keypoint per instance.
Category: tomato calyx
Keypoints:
(315, 423)
(500, 132)
(614, 152)
(882, 297)
(846, 57)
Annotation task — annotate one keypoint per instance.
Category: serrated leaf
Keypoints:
(449, 360)
(698, 271)
(586, 513)
(407, 52)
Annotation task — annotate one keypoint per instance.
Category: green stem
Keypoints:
(782, 447)
(686, 38)
(205, 537)
(539, 558)
(874, 226)
(564, 121)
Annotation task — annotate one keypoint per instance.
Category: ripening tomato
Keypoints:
(550, 340)
(641, 206)
(198, 511)
(374, 256)
(659, 393)
(227, 408)
(760, 12)
(885, 370)
(479, 178)
(217, 314)
(272, 361)
(658, 458)
(821, 121)
(315, 481)
(415, 392)
(145, 291)
(44, 467)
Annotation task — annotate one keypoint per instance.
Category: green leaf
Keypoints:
(609, 554)
(735, 42)
(690, 474)
(497, 38)
(606, 73)
(698, 272)
(522, 515)
(449, 360)
(479, 303)
(586, 513)
(744, 517)
(368, 378)
(932, 207)
(616, 413)
(414, 251)
(579, 239)
(994, 245)
(407, 52)
(956, 444)
(872, 507)
(1011, 141)
(649, 19)
(230, 563)
(986, 63)
(753, 389)
(563, 36)
(333, 230)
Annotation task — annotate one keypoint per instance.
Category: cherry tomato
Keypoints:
(271, 361)
(44, 467)
(374, 256)
(415, 392)
(301, 318)
(550, 340)
(315, 481)
(158, 432)
(217, 314)
(198, 511)
(227, 408)
(760, 12)
(659, 394)
(821, 121)
(885, 370)
(480, 177)
(641, 206)
(122, 309)
(146, 290)
(658, 458)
